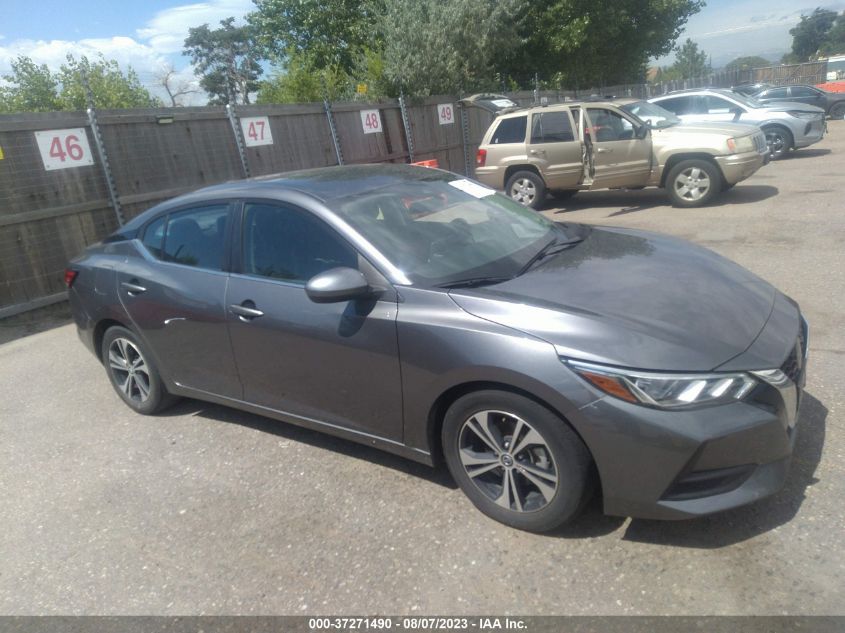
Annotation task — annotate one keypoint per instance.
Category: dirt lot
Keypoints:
(206, 510)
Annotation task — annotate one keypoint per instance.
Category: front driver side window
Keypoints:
(607, 125)
(283, 242)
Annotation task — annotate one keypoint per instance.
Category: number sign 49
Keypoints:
(370, 121)
(445, 113)
(256, 131)
(62, 149)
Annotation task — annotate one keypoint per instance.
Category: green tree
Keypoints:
(31, 88)
(300, 80)
(111, 88)
(446, 46)
(834, 41)
(810, 33)
(747, 63)
(691, 62)
(590, 43)
(330, 33)
(225, 59)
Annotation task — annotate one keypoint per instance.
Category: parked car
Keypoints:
(833, 103)
(749, 89)
(787, 126)
(575, 146)
(419, 312)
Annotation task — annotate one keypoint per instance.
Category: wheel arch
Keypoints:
(674, 159)
(769, 125)
(100, 332)
(512, 169)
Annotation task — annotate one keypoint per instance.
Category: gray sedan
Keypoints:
(422, 313)
(787, 126)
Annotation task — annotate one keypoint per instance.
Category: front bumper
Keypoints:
(659, 464)
(738, 167)
(812, 132)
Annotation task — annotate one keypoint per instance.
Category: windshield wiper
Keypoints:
(552, 248)
(473, 282)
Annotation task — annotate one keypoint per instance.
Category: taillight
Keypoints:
(480, 157)
(70, 276)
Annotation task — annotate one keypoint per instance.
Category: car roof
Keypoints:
(322, 184)
(587, 101)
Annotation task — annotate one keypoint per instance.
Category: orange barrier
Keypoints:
(832, 86)
(427, 163)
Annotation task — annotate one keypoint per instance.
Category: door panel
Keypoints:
(555, 150)
(620, 159)
(331, 362)
(179, 307)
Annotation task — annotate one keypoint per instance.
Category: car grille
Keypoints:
(760, 143)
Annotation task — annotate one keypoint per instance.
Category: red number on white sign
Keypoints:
(72, 148)
(56, 150)
(63, 149)
(372, 121)
(256, 130)
(446, 113)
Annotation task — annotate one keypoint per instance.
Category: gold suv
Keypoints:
(621, 144)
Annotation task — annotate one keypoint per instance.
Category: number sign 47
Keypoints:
(256, 131)
(62, 149)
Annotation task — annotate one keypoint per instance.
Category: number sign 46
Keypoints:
(62, 149)
(370, 121)
(256, 131)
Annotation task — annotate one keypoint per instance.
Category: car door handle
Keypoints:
(537, 152)
(245, 312)
(132, 288)
(603, 150)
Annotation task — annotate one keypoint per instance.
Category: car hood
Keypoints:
(632, 299)
(790, 106)
(705, 127)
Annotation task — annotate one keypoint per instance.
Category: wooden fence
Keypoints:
(47, 216)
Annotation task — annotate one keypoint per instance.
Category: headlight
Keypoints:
(665, 391)
(741, 145)
(803, 115)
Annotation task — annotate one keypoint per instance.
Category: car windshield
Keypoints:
(658, 117)
(445, 229)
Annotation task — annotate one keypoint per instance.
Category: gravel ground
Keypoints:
(207, 510)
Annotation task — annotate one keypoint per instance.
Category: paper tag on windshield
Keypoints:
(503, 103)
(472, 188)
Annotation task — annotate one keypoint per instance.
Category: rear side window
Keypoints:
(551, 127)
(775, 93)
(197, 237)
(716, 105)
(802, 91)
(510, 131)
(154, 236)
(678, 105)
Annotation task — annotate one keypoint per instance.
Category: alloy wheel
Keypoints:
(777, 143)
(523, 191)
(692, 184)
(508, 460)
(130, 370)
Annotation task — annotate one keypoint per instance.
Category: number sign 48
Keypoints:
(371, 121)
(62, 149)
(256, 131)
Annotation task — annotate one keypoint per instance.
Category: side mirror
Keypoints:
(336, 285)
(642, 131)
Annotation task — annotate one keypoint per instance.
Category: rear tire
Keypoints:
(527, 188)
(132, 373)
(693, 183)
(531, 471)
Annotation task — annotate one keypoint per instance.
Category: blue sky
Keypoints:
(149, 34)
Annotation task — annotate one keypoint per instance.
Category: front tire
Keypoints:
(693, 183)
(779, 140)
(132, 373)
(527, 188)
(517, 461)
(838, 111)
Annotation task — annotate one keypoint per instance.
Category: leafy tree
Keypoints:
(331, 33)
(690, 61)
(31, 88)
(747, 63)
(834, 42)
(590, 43)
(445, 46)
(300, 80)
(225, 59)
(810, 33)
(111, 88)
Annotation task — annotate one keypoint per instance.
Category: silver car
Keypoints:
(787, 126)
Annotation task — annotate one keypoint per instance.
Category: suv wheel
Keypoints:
(779, 140)
(693, 183)
(518, 462)
(527, 188)
(838, 110)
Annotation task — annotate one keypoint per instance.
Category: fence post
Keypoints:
(406, 123)
(101, 150)
(465, 138)
(335, 138)
(239, 141)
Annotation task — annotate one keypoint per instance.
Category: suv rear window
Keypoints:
(510, 131)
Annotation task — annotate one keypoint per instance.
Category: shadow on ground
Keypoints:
(734, 526)
(632, 201)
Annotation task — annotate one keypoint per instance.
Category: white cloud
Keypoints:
(167, 31)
